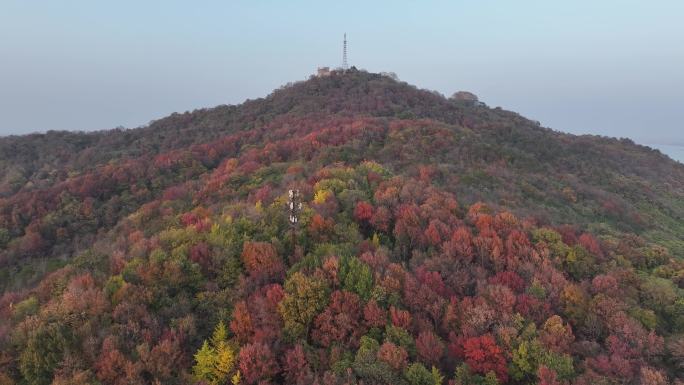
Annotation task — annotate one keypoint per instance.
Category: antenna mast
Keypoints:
(344, 53)
(294, 204)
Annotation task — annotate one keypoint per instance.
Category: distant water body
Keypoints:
(673, 151)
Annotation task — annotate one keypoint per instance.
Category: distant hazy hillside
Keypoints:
(439, 240)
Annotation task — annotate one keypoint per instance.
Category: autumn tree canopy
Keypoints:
(439, 242)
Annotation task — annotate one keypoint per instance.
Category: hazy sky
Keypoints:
(612, 67)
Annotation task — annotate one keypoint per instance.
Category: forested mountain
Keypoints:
(440, 241)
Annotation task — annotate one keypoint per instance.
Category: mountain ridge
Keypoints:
(204, 119)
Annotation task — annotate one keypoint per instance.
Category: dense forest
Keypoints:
(440, 241)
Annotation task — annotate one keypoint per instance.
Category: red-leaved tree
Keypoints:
(483, 355)
(340, 321)
(430, 348)
(262, 261)
(395, 356)
(257, 363)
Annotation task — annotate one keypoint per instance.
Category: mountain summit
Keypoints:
(439, 240)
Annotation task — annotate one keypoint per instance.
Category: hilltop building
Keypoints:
(323, 71)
